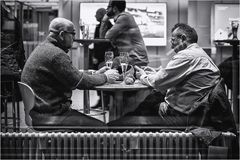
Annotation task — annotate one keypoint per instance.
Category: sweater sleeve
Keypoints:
(72, 77)
(89, 81)
(65, 71)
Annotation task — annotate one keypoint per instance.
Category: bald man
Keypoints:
(100, 48)
(52, 76)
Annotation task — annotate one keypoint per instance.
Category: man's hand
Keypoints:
(94, 60)
(112, 75)
(102, 70)
(139, 72)
(162, 110)
(105, 18)
(149, 70)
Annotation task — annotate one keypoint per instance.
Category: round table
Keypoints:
(126, 98)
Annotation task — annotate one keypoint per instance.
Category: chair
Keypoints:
(28, 97)
(220, 113)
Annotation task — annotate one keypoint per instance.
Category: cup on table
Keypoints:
(123, 56)
(109, 58)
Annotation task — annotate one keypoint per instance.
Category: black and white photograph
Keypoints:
(120, 79)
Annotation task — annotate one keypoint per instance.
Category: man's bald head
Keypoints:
(61, 24)
(100, 13)
(63, 31)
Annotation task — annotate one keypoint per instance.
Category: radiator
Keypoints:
(126, 145)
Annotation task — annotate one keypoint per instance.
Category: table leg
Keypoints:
(86, 102)
(115, 110)
(124, 102)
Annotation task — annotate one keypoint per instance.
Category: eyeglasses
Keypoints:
(178, 36)
(70, 32)
(172, 39)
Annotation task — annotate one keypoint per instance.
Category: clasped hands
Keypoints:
(111, 74)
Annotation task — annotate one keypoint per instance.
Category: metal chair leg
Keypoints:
(103, 108)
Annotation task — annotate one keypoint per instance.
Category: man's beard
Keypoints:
(110, 14)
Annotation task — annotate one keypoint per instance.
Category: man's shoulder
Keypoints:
(49, 49)
(124, 16)
(191, 51)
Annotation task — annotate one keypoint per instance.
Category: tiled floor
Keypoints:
(77, 103)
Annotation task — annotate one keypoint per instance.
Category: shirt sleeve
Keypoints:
(176, 70)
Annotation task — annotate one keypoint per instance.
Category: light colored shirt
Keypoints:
(187, 78)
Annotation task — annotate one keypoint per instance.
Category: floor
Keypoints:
(77, 103)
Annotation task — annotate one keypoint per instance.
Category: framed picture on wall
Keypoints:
(224, 15)
(150, 17)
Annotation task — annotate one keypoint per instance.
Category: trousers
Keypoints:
(72, 120)
(146, 116)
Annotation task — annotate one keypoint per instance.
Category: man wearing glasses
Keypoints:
(51, 75)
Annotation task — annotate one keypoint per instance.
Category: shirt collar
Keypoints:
(192, 45)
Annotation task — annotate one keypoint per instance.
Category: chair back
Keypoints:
(220, 112)
(28, 97)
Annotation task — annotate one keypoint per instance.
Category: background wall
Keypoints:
(197, 13)
(201, 17)
(177, 11)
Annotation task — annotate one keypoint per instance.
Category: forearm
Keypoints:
(145, 79)
(89, 81)
(103, 28)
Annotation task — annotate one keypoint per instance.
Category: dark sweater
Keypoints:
(52, 76)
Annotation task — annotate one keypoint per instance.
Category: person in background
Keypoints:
(179, 88)
(99, 49)
(125, 34)
(50, 73)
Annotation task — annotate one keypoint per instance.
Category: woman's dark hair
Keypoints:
(120, 4)
(186, 31)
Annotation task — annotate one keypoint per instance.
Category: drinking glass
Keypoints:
(124, 62)
(109, 58)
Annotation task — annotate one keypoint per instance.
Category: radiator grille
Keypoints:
(179, 145)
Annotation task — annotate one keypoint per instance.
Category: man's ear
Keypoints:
(61, 35)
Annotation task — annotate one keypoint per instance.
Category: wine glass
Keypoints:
(109, 58)
(124, 62)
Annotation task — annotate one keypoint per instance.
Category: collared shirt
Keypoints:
(187, 78)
